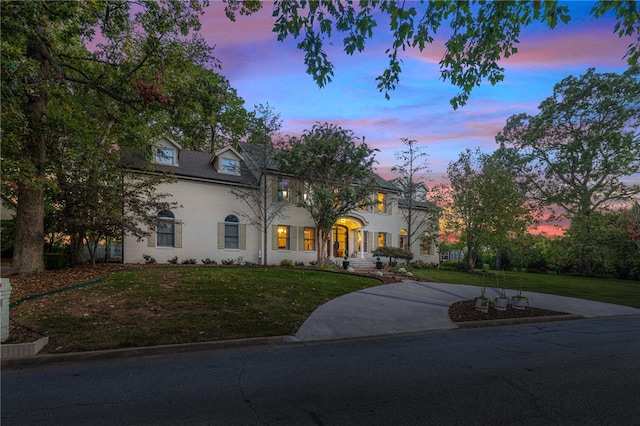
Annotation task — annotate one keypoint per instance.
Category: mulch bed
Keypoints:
(465, 311)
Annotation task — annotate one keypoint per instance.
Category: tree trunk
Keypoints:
(28, 257)
(28, 254)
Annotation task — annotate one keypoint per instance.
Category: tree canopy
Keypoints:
(575, 151)
(57, 54)
(336, 172)
(481, 32)
(489, 208)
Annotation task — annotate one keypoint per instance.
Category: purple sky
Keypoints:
(264, 70)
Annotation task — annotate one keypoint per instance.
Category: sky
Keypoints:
(263, 70)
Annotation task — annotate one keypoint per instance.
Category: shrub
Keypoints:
(455, 266)
(189, 262)
(173, 260)
(402, 270)
(351, 270)
(313, 263)
(148, 259)
(208, 261)
(299, 263)
(286, 262)
(227, 261)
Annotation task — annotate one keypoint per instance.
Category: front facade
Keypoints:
(210, 222)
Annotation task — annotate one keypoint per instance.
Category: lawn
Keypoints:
(152, 306)
(609, 290)
(183, 304)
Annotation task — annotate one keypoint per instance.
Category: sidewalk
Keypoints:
(412, 306)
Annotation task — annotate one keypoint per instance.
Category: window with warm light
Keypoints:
(382, 239)
(403, 240)
(382, 202)
(425, 246)
(309, 239)
(283, 238)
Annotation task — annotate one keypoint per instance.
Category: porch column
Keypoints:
(361, 243)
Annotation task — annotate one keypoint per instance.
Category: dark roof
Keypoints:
(192, 164)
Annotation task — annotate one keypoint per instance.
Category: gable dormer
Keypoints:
(166, 152)
(227, 160)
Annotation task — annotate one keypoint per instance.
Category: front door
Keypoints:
(340, 240)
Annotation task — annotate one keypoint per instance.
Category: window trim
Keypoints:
(162, 156)
(231, 221)
(286, 237)
(225, 168)
(168, 218)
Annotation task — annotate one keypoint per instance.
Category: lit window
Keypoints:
(231, 232)
(382, 239)
(165, 229)
(164, 156)
(229, 165)
(403, 239)
(283, 190)
(283, 238)
(382, 202)
(309, 239)
(306, 195)
(425, 246)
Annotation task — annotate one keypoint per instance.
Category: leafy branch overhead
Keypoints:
(481, 32)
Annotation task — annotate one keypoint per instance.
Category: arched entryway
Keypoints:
(346, 237)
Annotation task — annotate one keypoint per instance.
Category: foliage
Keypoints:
(336, 171)
(394, 252)
(173, 260)
(189, 262)
(208, 261)
(287, 263)
(575, 150)
(420, 216)
(148, 259)
(56, 260)
(489, 208)
(54, 56)
(480, 33)
(455, 266)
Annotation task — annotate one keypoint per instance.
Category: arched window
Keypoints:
(231, 232)
(166, 229)
(403, 240)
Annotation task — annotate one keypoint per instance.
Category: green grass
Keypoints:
(609, 290)
(179, 305)
(191, 304)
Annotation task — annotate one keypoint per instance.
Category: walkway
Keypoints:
(412, 306)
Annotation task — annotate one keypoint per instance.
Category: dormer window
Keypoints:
(165, 156)
(229, 165)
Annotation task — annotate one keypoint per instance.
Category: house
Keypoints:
(208, 223)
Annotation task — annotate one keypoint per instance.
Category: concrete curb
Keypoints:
(516, 321)
(144, 351)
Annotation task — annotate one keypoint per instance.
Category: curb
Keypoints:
(48, 359)
(21, 350)
(516, 321)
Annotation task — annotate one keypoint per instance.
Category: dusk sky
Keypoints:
(264, 70)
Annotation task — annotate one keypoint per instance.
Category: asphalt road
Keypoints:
(584, 372)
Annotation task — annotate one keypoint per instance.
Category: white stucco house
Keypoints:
(207, 224)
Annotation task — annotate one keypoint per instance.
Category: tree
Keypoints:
(575, 150)
(488, 206)
(259, 152)
(118, 50)
(206, 113)
(482, 33)
(336, 172)
(419, 215)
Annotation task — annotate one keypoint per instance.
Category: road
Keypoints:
(584, 372)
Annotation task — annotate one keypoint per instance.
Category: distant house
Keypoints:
(207, 223)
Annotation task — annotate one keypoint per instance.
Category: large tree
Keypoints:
(575, 151)
(118, 50)
(489, 207)
(419, 215)
(482, 32)
(336, 171)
